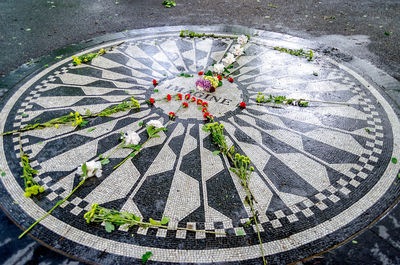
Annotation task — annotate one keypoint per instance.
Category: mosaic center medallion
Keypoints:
(223, 101)
(319, 171)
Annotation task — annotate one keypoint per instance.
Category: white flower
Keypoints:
(131, 137)
(156, 123)
(242, 39)
(229, 59)
(237, 50)
(93, 168)
(219, 68)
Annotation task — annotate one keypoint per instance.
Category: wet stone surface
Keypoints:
(322, 173)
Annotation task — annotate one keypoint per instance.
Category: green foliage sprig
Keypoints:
(307, 54)
(113, 218)
(281, 100)
(31, 186)
(241, 167)
(76, 119)
(261, 98)
(86, 58)
(169, 4)
(84, 177)
(191, 34)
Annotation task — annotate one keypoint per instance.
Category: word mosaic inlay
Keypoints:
(319, 171)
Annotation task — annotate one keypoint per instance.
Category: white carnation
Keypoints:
(131, 137)
(229, 59)
(93, 168)
(156, 123)
(237, 50)
(219, 68)
(242, 39)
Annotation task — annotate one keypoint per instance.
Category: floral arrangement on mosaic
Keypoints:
(213, 79)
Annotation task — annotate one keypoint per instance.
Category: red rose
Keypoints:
(204, 110)
(151, 100)
(242, 105)
(155, 82)
(187, 96)
(219, 77)
(185, 105)
(193, 99)
(201, 73)
(230, 79)
(199, 102)
(205, 104)
(168, 97)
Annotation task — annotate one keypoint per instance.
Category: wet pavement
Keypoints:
(377, 245)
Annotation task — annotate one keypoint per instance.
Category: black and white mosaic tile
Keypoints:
(322, 173)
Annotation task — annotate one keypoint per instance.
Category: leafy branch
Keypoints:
(31, 186)
(292, 101)
(191, 34)
(241, 167)
(307, 54)
(113, 218)
(86, 58)
(76, 119)
(84, 177)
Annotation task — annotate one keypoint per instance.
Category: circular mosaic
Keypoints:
(321, 173)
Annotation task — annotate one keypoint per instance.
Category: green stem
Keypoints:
(52, 209)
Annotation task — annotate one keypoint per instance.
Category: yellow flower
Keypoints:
(56, 126)
(77, 61)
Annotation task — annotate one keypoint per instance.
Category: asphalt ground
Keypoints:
(367, 29)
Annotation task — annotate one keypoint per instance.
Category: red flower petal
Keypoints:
(193, 99)
(219, 77)
(206, 115)
(168, 97)
(242, 105)
(151, 100)
(185, 105)
(154, 82)
(201, 73)
(230, 79)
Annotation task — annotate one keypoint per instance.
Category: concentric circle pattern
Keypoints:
(322, 172)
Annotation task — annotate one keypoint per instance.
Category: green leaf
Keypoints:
(153, 222)
(155, 90)
(91, 129)
(28, 29)
(105, 161)
(136, 147)
(240, 232)
(394, 160)
(3, 174)
(354, 242)
(398, 175)
(84, 169)
(109, 227)
(216, 152)
(367, 130)
(132, 155)
(141, 123)
(155, 136)
(164, 220)
(46, 65)
(146, 256)
(59, 57)
(24, 115)
(316, 74)
(136, 218)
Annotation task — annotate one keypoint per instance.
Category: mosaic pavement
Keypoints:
(322, 173)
